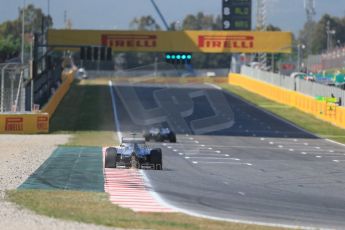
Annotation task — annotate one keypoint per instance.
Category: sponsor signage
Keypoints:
(237, 14)
(175, 41)
(13, 124)
(237, 42)
(129, 40)
(24, 123)
(42, 123)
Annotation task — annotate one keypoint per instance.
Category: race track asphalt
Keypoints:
(235, 161)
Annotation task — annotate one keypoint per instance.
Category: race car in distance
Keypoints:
(133, 153)
(160, 134)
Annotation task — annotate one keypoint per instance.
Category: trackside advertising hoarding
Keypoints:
(180, 41)
(24, 123)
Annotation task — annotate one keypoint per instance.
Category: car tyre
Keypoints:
(110, 158)
(134, 162)
(156, 158)
(172, 138)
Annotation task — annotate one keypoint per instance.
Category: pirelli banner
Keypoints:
(24, 123)
(180, 41)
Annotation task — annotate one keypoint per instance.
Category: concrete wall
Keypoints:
(54, 101)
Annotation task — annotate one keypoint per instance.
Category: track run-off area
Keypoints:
(232, 161)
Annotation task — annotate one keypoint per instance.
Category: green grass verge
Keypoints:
(86, 113)
(291, 114)
(96, 208)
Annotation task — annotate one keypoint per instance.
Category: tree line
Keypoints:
(313, 35)
(11, 31)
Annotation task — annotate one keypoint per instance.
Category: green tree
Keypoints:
(144, 23)
(319, 41)
(10, 31)
(271, 27)
(306, 35)
(200, 21)
(34, 17)
(314, 34)
(9, 47)
(10, 28)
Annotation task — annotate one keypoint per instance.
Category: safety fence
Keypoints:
(23, 95)
(329, 60)
(324, 110)
(309, 88)
(160, 69)
(13, 81)
(273, 78)
(22, 92)
(36, 121)
(47, 80)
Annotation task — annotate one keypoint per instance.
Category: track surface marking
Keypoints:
(127, 188)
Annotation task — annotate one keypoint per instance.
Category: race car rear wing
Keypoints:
(137, 140)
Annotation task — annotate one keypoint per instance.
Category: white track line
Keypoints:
(215, 158)
(227, 163)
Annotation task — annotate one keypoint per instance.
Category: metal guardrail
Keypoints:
(313, 89)
(275, 79)
(20, 93)
(159, 72)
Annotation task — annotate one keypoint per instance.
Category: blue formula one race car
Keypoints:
(133, 153)
(160, 135)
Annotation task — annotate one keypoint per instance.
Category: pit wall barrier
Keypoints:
(323, 110)
(67, 79)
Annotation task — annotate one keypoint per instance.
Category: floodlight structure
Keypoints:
(309, 6)
(330, 33)
(261, 26)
